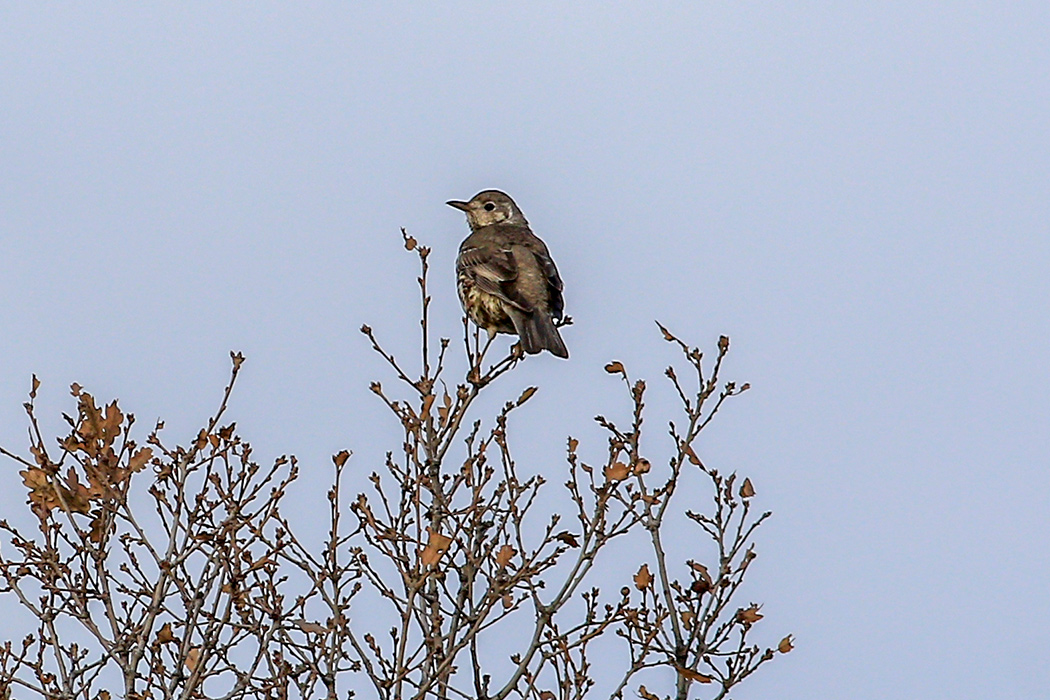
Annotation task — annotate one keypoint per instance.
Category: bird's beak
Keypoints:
(462, 206)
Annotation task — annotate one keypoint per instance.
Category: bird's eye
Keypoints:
(489, 206)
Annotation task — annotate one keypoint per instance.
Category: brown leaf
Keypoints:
(693, 675)
(704, 583)
(340, 457)
(643, 578)
(508, 601)
(410, 243)
(642, 692)
(310, 627)
(428, 401)
(568, 538)
(616, 472)
(47, 495)
(437, 545)
(76, 495)
(40, 455)
(260, 563)
(111, 424)
(746, 489)
(505, 554)
(723, 343)
(98, 530)
(165, 635)
(526, 395)
(75, 389)
(36, 385)
(642, 466)
(90, 427)
(692, 455)
(238, 359)
(786, 645)
(35, 479)
(615, 367)
(193, 658)
(748, 616)
(573, 444)
(139, 459)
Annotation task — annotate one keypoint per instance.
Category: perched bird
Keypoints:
(505, 276)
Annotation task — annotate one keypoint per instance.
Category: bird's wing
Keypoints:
(554, 283)
(493, 270)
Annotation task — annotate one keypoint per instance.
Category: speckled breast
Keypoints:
(483, 308)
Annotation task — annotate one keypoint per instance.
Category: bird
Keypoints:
(505, 276)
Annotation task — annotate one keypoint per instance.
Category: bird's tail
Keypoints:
(538, 333)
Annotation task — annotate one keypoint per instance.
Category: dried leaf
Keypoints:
(786, 645)
(616, 472)
(568, 538)
(98, 529)
(746, 489)
(46, 495)
(573, 444)
(139, 459)
(36, 385)
(260, 563)
(615, 367)
(111, 424)
(165, 635)
(723, 343)
(437, 544)
(340, 457)
(508, 601)
(749, 616)
(310, 627)
(428, 401)
(410, 243)
(693, 675)
(642, 466)
(193, 658)
(705, 582)
(643, 579)
(505, 554)
(526, 395)
(642, 692)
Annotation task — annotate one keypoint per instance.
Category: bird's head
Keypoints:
(490, 207)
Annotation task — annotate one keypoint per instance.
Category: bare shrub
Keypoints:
(162, 570)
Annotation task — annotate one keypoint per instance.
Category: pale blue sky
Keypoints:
(857, 193)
